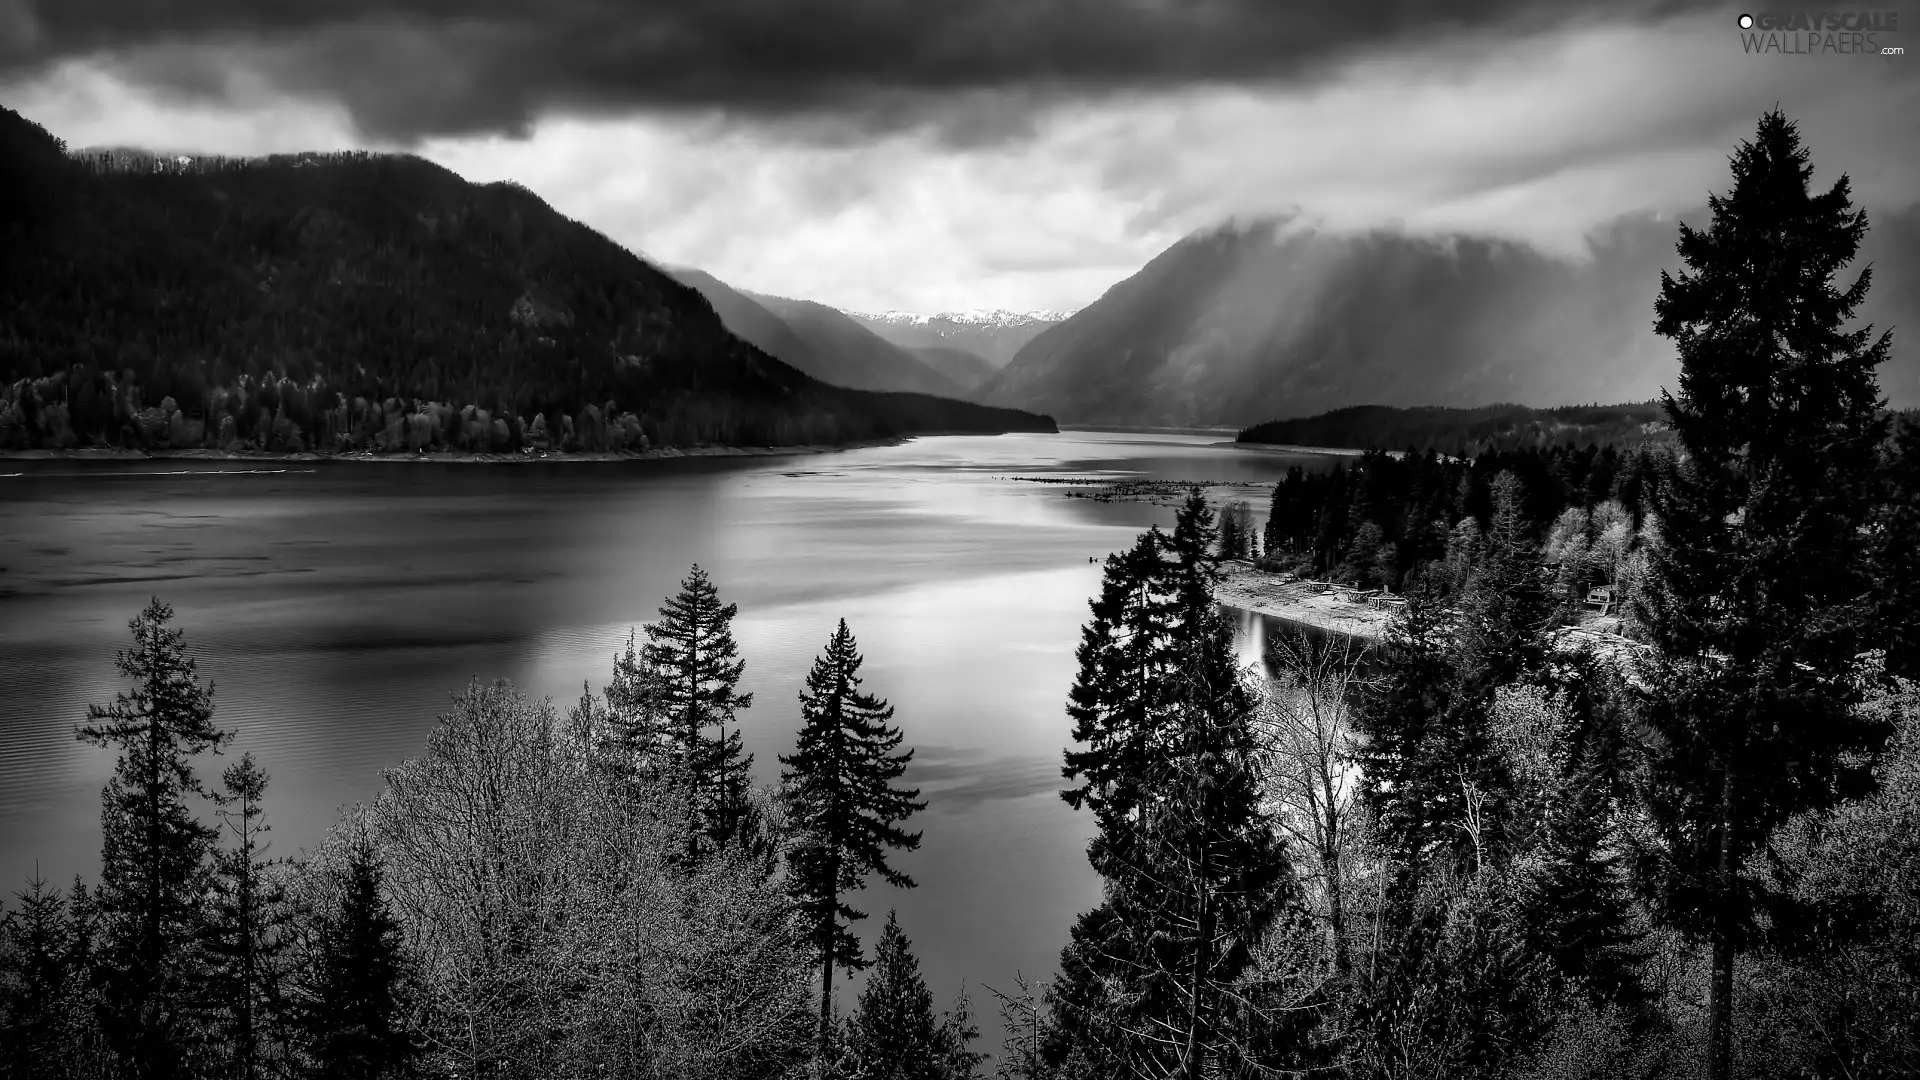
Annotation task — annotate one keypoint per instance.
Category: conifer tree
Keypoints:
(1020, 1023)
(1561, 741)
(1193, 867)
(1207, 874)
(692, 653)
(957, 1034)
(46, 1029)
(638, 714)
(1757, 611)
(354, 1012)
(1896, 551)
(1506, 608)
(1409, 781)
(1118, 700)
(154, 857)
(245, 938)
(842, 806)
(1082, 1037)
(894, 1034)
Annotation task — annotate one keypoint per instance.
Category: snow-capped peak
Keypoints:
(970, 316)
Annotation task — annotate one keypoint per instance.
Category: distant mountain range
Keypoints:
(1254, 322)
(994, 336)
(833, 347)
(342, 301)
(1231, 326)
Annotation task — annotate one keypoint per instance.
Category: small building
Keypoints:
(1601, 599)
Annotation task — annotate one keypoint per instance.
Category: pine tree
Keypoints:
(843, 807)
(354, 1012)
(957, 1033)
(1409, 781)
(1020, 1023)
(1194, 869)
(1208, 873)
(1237, 538)
(245, 935)
(637, 713)
(1082, 1037)
(692, 652)
(1896, 551)
(154, 857)
(1506, 608)
(1118, 699)
(894, 1034)
(45, 1027)
(1562, 742)
(1757, 609)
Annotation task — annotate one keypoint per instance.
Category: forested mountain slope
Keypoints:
(349, 300)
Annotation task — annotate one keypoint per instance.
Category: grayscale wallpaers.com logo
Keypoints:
(1854, 33)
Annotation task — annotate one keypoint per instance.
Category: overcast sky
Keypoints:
(940, 154)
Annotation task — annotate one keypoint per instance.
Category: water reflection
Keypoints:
(337, 608)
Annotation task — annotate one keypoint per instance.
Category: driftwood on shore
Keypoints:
(1332, 607)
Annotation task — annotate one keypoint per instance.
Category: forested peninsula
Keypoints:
(353, 302)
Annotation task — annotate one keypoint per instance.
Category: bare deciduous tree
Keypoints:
(1307, 737)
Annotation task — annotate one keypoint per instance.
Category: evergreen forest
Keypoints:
(1475, 848)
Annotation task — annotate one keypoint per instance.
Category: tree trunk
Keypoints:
(826, 971)
(1337, 914)
(826, 1002)
(1720, 986)
(1720, 1009)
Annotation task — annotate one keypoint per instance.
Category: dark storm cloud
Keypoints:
(409, 69)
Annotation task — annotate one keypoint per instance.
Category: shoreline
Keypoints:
(669, 453)
(1262, 593)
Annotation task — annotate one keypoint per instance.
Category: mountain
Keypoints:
(747, 320)
(340, 301)
(1255, 322)
(965, 369)
(994, 335)
(841, 351)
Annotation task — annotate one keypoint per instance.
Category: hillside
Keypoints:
(818, 340)
(1469, 432)
(994, 336)
(845, 353)
(966, 370)
(344, 301)
(1247, 324)
(747, 320)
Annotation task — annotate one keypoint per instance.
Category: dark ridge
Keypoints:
(349, 301)
(1469, 432)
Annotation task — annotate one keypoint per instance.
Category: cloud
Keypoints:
(1541, 135)
(973, 68)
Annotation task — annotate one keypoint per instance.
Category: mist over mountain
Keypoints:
(995, 336)
(1267, 320)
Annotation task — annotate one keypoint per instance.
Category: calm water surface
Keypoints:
(336, 605)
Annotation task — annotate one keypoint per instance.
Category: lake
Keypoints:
(336, 605)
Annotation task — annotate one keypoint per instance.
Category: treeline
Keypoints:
(132, 160)
(603, 892)
(1375, 521)
(1478, 851)
(1487, 851)
(1471, 432)
(369, 302)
